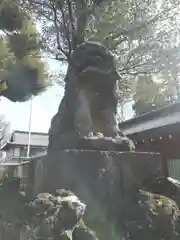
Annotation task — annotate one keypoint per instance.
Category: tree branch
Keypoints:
(139, 73)
(115, 44)
(144, 24)
(82, 16)
(72, 24)
(57, 34)
(65, 29)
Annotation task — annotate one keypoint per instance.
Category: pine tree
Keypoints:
(22, 71)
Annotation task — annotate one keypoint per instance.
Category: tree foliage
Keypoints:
(152, 92)
(144, 39)
(63, 23)
(143, 35)
(21, 64)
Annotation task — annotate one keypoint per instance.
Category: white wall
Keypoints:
(36, 139)
(16, 152)
(9, 153)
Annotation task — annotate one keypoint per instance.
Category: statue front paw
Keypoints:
(124, 144)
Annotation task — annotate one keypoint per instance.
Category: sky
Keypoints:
(44, 107)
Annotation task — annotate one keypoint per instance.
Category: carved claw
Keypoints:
(90, 134)
(99, 134)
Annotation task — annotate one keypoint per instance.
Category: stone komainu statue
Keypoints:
(86, 118)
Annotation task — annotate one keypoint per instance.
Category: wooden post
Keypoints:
(165, 165)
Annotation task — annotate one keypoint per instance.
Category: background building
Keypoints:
(13, 151)
(16, 148)
(158, 131)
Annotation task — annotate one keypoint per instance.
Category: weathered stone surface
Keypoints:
(86, 121)
(56, 216)
(150, 216)
(83, 232)
(168, 187)
(89, 104)
(146, 216)
(69, 167)
(10, 208)
(103, 180)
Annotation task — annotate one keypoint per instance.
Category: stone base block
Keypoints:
(104, 180)
(69, 168)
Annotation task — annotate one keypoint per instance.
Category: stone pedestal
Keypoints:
(106, 181)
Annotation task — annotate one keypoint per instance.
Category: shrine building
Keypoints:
(158, 131)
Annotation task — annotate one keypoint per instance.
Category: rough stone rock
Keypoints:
(83, 232)
(59, 215)
(151, 216)
(56, 216)
(148, 216)
(101, 179)
(166, 186)
(10, 208)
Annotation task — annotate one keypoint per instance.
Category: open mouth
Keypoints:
(96, 69)
(95, 63)
(95, 60)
